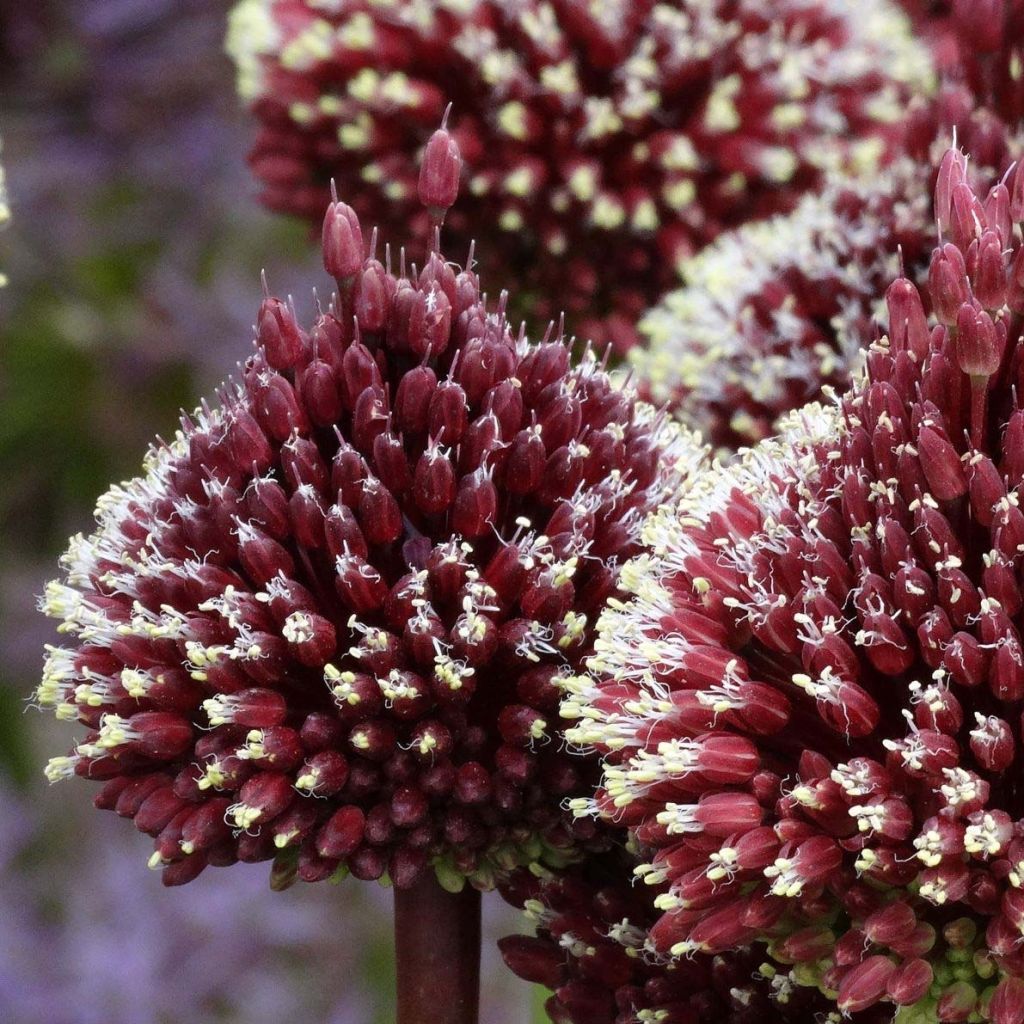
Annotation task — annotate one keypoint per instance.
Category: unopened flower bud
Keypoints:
(439, 173)
(342, 242)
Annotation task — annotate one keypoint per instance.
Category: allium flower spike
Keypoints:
(589, 127)
(810, 706)
(330, 622)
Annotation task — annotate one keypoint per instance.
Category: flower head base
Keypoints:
(591, 949)
(810, 706)
(329, 623)
(589, 125)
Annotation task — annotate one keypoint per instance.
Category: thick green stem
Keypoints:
(437, 954)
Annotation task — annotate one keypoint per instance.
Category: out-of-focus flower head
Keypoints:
(638, 129)
(591, 949)
(329, 622)
(810, 704)
(90, 946)
(978, 41)
(773, 312)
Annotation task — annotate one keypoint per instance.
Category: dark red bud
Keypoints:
(342, 241)
(941, 464)
(864, 985)
(952, 171)
(947, 283)
(908, 326)
(320, 394)
(342, 834)
(476, 505)
(279, 335)
(439, 173)
(434, 482)
(372, 299)
(449, 414)
(413, 400)
(533, 959)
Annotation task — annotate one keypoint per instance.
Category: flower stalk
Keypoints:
(437, 954)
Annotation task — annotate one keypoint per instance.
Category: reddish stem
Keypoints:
(437, 953)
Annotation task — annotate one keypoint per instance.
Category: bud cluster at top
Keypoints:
(329, 623)
(810, 705)
(593, 128)
(774, 312)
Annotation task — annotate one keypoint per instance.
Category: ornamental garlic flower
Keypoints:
(810, 704)
(591, 949)
(328, 623)
(639, 128)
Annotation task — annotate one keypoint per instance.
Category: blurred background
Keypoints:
(133, 260)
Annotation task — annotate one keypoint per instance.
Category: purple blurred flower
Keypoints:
(125, 157)
(87, 938)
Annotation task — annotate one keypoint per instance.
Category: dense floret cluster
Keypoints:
(591, 949)
(774, 312)
(810, 704)
(328, 623)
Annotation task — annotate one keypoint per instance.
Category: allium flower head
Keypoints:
(639, 128)
(811, 704)
(328, 622)
(591, 948)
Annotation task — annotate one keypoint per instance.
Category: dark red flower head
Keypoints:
(634, 128)
(329, 622)
(811, 706)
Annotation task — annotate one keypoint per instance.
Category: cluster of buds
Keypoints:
(591, 949)
(643, 129)
(810, 706)
(329, 623)
(774, 312)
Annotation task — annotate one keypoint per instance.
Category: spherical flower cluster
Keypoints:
(591, 126)
(810, 704)
(773, 312)
(591, 949)
(328, 623)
